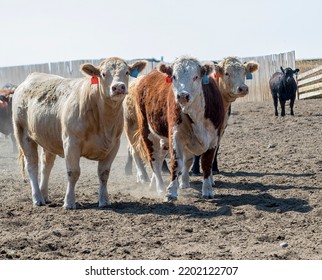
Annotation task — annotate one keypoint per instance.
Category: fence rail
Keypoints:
(258, 86)
(310, 83)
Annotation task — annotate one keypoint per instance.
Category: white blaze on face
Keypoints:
(186, 80)
(115, 72)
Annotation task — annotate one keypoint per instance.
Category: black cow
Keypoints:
(283, 87)
(6, 126)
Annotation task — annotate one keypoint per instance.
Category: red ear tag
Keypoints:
(168, 80)
(94, 80)
(3, 104)
(217, 75)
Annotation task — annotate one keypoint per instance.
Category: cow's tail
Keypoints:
(21, 158)
(138, 146)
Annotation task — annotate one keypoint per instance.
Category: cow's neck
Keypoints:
(196, 127)
(227, 99)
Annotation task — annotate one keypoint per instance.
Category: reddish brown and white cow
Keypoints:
(230, 75)
(134, 140)
(72, 118)
(185, 116)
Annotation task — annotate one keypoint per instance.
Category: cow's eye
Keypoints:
(195, 78)
(227, 74)
(174, 77)
(103, 74)
(127, 73)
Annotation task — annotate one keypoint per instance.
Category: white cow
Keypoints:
(72, 118)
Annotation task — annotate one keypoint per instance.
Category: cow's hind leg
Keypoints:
(215, 169)
(195, 170)
(141, 173)
(30, 151)
(128, 164)
(47, 163)
(275, 100)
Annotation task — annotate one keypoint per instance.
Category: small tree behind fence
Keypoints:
(258, 85)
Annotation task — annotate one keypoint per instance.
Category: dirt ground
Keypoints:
(267, 205)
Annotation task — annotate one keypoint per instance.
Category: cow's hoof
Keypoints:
(195, 174)
(215, 172)
(38, 200)
(69, 206)
(207, 196)
(170, 199)
(39, 203)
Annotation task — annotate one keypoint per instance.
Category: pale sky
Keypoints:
(39, 31)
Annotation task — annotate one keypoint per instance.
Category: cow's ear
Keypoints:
(296, 71)
(206, 69)
(282, 70)
(137, 67)
(90, 70)
(165, 69)
(219, 71)
(251, 66)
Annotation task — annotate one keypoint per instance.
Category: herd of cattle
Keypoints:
(179, 110)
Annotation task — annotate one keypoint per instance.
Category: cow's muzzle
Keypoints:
(118, 89)
(242, 90)
(183, 97)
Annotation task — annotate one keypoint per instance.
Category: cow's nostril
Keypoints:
(241, 89)
(123, 87)
(114, 88)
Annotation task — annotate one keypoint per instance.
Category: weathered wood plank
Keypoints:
(309, 80)
(310, 72)
(310, 94)
(310, 88)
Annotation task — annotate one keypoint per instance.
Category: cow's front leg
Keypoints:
(282, 102)
(206, 164)
(292, 105)
(72, 158)
(103, 171)
(185, 178)
(172, 189)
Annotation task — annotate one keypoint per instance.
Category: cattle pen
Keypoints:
(258, 84)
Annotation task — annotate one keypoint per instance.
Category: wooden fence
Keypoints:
(310, 83)
(268, 65)
(258, 86)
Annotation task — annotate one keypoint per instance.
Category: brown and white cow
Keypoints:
(230, 75)
(131, 132)
(72, 118)
(185, 116)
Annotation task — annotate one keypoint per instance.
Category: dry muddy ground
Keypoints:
(267, 204)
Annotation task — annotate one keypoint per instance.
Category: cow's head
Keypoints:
(112, 75)
(289, 72)
(230, 74)
(186, 74)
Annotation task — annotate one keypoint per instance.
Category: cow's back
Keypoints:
(152, 98)
(38, 106)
